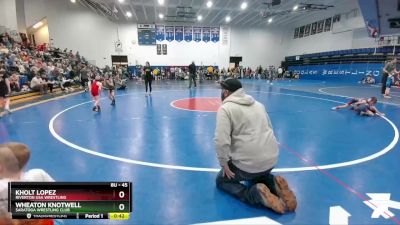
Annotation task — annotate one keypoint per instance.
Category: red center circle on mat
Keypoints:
(198, 104)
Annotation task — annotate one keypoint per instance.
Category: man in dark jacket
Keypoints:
(192, 74)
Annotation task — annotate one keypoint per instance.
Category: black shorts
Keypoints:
(4, 94)
(3, 91)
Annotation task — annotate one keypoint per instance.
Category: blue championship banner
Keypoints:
(188, 32)
(197, 34)
(169, 33)
(339, 72)
(160, 36)
(178, 33)
(214, 34)
(206, 34)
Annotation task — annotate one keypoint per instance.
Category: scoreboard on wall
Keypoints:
(147, 34)
(70, 200)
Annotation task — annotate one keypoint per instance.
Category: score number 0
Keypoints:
(121, 206)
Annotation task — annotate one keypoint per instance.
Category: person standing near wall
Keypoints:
(259, 72)
(148, 77)
(5, 91)
(389, 69)
(84, 78)
(280, 72)
(192, 74)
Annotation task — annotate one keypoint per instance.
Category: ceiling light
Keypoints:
(295, 7)
(36, 26)
(228, 19)
(161, 16)
(243, 5)
(161, 2)
(199, 17)
(73, 1)
(209, 4)
(129, 14)
(121, 1)
(270, 20)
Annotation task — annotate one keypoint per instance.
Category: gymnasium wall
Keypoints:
(349, 33)
(8, 14)
(258, 46)
(75, 27)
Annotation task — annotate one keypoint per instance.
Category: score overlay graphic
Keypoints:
(70, 200)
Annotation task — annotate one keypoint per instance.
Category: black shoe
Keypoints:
(113, 102)
(94, 108)
(98, 108)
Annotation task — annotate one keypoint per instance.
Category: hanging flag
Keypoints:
(188, 32)
(197, 34)
(214, 34)
(169, 33)
(206, 34)
(178, 33)
(160, 36)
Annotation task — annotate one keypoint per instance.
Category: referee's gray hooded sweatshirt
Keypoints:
(244, 134)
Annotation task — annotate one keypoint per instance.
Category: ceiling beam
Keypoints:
(144, 11)
(282, 7)
(208, 14)
(155, 10)
(251, 19)
(219, 11)
(297, 17)
(98, 12)
(256, 22)
(133, 11)
(228, 14)
(150, 4)
(233, 19)
(123, 12)
(250, 13)
(240, 12)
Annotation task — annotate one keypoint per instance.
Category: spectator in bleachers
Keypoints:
(84, 77)
(78, 56)
(28, 61)
(37, 84)
(21, 67)
(14, 82)
(3, 49)
(5, 91)
(280, 72)
(210, 71)
(65, 83)
(259, 72)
